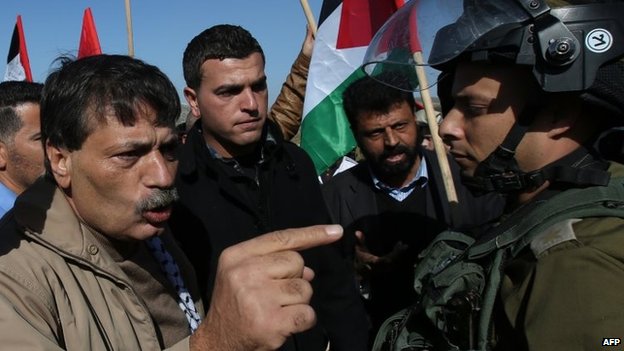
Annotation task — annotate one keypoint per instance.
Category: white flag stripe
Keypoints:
(335, 65)
(15, 70)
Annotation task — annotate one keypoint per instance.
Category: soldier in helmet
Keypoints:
(534, 89)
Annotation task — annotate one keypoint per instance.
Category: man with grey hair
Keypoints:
(88, 261)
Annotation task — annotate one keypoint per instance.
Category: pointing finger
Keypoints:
(283, 240)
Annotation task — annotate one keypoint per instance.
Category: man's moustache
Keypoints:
(158, 199)
(397, 150)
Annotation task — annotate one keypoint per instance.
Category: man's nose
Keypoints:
(250, 100)
(451, 127)
(160, 172)
(390, 138)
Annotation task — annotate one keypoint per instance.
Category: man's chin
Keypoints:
(397, 168)
(143, 232)
(467, 172)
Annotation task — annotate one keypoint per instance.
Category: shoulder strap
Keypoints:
(607, 201)
(597, 201)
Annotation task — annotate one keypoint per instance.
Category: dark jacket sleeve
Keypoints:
(351, 203)
(339, 308)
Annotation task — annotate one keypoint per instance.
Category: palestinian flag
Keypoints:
(89, 42)
(18, 66)
(345, 30)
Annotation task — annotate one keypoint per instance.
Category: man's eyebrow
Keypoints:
(229, 87)
(260, 80)
(465, 98)
(138, 145)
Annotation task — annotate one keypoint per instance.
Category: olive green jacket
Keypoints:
(566, 292)
(60, 290)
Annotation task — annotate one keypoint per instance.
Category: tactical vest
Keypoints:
(457, 279)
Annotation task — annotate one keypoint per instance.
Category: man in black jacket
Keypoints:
(393, 204)
(238, 179)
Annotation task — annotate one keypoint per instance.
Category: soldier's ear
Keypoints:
(564, 114)
(60, 164)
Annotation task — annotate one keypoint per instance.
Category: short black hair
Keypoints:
(370, 95)
(12, 95)
(85, 90)
(218, 42)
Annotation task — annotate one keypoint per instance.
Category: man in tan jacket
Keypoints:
(88, 262)
(287, 110)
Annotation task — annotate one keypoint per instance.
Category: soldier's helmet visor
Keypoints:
(433, 32)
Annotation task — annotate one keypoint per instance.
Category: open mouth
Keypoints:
(157, 215)
(395, 158)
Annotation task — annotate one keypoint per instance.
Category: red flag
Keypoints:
(414, 39)
(89, 42)
(18, 66)
(360, 20)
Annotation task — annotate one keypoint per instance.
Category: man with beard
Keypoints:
(87, 261)
(394, 203)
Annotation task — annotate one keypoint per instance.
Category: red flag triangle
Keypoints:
(360, 20)
(415, 45)
(89, 42)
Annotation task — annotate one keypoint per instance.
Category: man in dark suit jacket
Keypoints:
(239, 179)
(393, 204)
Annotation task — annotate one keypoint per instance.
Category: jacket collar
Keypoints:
(43, 214)
(195, 151)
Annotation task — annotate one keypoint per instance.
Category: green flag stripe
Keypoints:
(325, 131)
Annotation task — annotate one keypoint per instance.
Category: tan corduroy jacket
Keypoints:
(287, 110)
(60, 290)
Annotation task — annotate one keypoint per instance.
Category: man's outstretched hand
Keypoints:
(262, 291)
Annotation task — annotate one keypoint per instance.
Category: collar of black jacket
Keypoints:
(195, 151)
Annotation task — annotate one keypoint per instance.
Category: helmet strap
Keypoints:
(500, 172)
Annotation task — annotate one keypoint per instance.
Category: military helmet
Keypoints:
(565, 46)
(574, 48)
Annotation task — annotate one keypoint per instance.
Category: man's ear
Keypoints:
(191, 98)
(60, 163)
(565, 112)
(4, 155)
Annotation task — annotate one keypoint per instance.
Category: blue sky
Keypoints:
(161, 30)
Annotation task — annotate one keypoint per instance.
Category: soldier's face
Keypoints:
(487, 101)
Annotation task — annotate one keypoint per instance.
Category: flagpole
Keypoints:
(309, 16)
(440, 150)
(129, 29)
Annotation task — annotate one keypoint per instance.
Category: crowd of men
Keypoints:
(124, 231)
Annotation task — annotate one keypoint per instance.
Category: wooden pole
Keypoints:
(309, 16)
(440, 150)
(129, 29)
